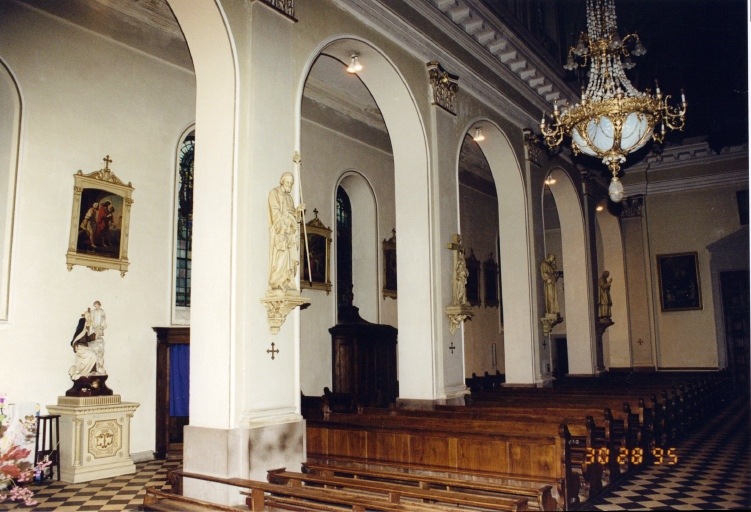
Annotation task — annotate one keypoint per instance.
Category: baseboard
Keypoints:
(142, 456)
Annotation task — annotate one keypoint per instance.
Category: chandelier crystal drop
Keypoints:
(613, 118)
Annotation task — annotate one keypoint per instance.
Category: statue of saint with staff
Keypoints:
(284, 231)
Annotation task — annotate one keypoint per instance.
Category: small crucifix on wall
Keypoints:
(273, 351)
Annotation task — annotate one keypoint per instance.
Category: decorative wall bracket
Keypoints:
(278, 307)
(457, 314)
(550, 320)
(602, 324)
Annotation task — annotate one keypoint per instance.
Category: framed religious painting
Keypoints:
(100, 221)
(473, 279)
(389, 266)
(680, 289)
(316, 264)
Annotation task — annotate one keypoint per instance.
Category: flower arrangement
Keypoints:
(16, 466)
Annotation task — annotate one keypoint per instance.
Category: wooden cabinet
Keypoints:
(364, 360)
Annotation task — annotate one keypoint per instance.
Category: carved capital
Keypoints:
(444, 87)
(286, 7)
(533, 147)
(632, 206)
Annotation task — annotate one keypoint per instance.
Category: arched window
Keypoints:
(343, 247)
(184, 228)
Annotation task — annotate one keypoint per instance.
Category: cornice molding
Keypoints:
(513, 71)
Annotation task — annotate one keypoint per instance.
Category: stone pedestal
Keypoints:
(94, 437)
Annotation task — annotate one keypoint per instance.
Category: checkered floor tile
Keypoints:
(124, 492)
(713, 472)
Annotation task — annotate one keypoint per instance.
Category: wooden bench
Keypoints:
(397, 492)
(160, 501)
(491, 447)
(538, 496)
(261, 496)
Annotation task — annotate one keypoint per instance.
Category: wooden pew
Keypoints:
(263, 496)
(538, 496)
(441, 444)
(160, 501)
(398, 492)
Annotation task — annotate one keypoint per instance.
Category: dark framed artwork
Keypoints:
(100, 221)
(473, 279)
(319, 250)
(389, 266)
(490, 278)
(680, 288)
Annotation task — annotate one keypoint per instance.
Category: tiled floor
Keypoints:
(120, 493)
(713, 473)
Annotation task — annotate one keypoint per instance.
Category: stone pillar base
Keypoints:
(94, 437)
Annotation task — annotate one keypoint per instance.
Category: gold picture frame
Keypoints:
(680, 287)
(319, 247)
(100, 221)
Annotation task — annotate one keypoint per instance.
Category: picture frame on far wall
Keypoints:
(473, 279)
(319, 250)
(389, 266)
(680, 287)
(100, 221)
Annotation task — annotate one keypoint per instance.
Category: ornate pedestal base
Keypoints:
(279, 306)
(457, 314)
(549, 320)
(94, 437)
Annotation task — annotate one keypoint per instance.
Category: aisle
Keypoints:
(712, 473)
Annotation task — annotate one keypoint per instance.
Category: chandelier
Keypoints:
(613, 118)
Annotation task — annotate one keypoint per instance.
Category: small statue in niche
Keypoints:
(550, 274)
(605, 301)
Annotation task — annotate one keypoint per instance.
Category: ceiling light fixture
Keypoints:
(613, 118)
(354, 64)
(478, 135)
(549, 180)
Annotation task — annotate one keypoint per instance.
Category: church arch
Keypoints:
(520, 351)
(10, 128)
(610, 257)
(411, 197)
(576, 302)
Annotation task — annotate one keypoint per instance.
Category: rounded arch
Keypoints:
(408, 138)
(575, 262)
(10, 129)
(365, 275)
(213, 295)
(520, 350)
(611, 257)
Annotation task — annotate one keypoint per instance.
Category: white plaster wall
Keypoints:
(328, 155)
(85, 97)
(685, 222)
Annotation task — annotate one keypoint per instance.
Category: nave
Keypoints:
(713, 473)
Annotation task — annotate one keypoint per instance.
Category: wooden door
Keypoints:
(735, 305)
